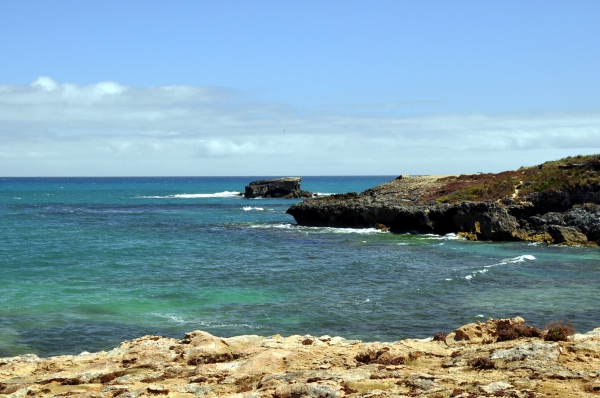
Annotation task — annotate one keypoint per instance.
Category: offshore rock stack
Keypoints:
(288, 187)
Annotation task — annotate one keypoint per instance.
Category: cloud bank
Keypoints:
(111, 129)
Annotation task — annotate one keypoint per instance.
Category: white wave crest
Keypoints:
(514, 260)
(353, 230)
(250, 208)
(322, 230)
(521, 259)
(450, 236)
(224, 194)
(280, 226)
(179, 319)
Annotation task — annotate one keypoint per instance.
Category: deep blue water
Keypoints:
(88, 262)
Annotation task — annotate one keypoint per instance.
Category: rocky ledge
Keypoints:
(491, 359)
(288, 187)
(552, 203)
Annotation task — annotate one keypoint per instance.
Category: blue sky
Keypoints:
(295, 87)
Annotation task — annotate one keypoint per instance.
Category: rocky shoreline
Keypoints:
(476, 360)
(566, 214)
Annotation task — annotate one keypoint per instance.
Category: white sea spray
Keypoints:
(223, 194)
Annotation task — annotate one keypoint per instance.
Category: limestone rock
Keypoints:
(479, 332)
(567, 235)
(287, 367)
(405, 205)
(496, 386)
(533, 351)
(276, 188)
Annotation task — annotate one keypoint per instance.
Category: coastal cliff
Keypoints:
(556, 202)
(498, 358)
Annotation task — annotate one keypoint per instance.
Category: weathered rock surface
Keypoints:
(288, 187)
(202, 365)
(402, 206)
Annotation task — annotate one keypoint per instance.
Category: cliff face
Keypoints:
(476, 360)
(288, 187)
(498, 207)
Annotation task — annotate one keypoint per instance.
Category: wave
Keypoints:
(186, 320)
(514, 260)
(322, 230)
(366, 231)
(450, 236)
(250, 208)
(224, 194)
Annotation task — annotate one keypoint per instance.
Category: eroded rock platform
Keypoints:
(469, 362)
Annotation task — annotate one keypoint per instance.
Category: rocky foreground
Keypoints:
(469, 362)
(556, 203)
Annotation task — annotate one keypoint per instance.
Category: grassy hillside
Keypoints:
(572, 173)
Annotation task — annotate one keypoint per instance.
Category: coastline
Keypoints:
(202, 365)
(554, 203)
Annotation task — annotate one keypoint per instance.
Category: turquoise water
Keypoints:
(88, 262)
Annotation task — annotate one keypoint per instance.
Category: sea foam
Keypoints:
(514, 260)
(321, 230)
(450, 236)
(224, 194)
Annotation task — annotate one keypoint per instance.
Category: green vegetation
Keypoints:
(571, 173)
(559, 331)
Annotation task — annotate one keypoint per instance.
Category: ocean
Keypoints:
(86, 263)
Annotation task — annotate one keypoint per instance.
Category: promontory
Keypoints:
(555, 202)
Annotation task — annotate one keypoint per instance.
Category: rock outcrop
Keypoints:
(418, 205)
(288, 187)
(471, 362)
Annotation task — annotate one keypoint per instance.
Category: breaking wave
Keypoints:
(514, 260)
(223, 194)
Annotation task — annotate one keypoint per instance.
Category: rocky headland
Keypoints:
(498, 358)
(288, 187)
(556, 202)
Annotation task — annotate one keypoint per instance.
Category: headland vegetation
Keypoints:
(557, 202)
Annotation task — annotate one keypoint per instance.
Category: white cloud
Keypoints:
(108, 128)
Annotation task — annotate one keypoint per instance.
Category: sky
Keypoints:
(295, 88)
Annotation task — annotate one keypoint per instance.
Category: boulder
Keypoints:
(478, 333)
(567, 235)
(530, 351)
(585, 220)
(288, 187)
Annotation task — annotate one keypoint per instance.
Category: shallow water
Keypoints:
(86, 263)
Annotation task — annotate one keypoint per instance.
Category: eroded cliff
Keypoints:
(556, 202)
